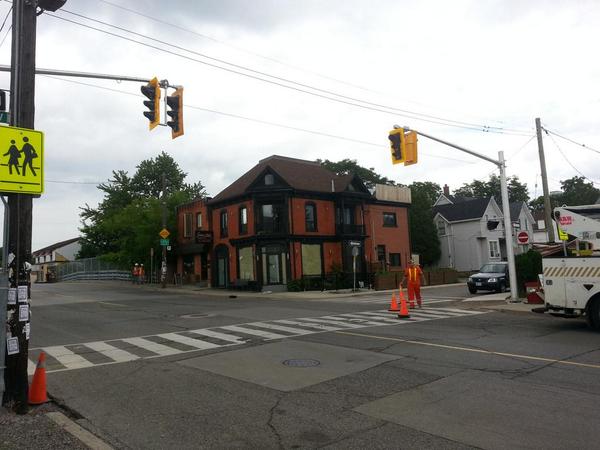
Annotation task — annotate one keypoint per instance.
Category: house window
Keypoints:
(271, 218)
(381, 253)
(223, 223)
(269, 179)
(389, 219)
(198, 221)
(310, 216)
(395, 259)
(494, 249)
(243, 220)
(187, 225)
(441, 228)
(311, 259)
(246, 263)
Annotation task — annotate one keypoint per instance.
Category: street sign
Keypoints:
(355, 243)
(22, 160)
(164, 233)
(523, 237)
(562, 235)
(164, 242)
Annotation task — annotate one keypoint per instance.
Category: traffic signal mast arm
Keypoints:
(510, 256)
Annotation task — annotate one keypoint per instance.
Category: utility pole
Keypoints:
(163, 267)
(22, 113)
(547, 205)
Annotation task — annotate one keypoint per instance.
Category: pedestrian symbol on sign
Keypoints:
(21, 170)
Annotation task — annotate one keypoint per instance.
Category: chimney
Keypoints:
(446, 190)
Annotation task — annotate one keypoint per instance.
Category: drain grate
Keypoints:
(301, 362)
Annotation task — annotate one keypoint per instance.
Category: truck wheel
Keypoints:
(594, 314)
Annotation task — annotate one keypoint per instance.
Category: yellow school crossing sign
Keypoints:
(21, 160)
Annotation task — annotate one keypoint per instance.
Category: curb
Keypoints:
(92, 441)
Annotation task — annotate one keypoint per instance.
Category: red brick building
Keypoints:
(286, 219)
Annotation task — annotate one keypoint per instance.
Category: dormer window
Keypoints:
(269, 179)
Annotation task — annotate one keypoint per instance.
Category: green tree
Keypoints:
(125, 224)
(347, 166)
(517, 191)
(574, 191)
(424, 239)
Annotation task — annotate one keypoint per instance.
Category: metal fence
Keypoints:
(90, 269)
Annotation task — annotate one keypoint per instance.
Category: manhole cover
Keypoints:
(301, 362)
(195, 316)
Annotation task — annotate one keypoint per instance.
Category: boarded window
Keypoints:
(311, 259)
(246, 263)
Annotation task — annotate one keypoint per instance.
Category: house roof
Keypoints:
(464, 210)
(299, 174)
(515, 210)
(53, 247)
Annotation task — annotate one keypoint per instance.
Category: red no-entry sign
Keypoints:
(523, 237)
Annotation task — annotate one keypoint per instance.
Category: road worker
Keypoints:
(413, 276)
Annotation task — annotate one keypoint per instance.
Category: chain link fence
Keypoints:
(91, 269)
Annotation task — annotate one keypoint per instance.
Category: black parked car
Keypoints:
(491, 277)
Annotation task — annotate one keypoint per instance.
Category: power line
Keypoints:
(570, 140)
(522, 147)
(251, 119)
(6, 18)
(280, 81)
(571, 164)
(6, 35)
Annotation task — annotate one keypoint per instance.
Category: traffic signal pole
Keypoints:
(500, 162)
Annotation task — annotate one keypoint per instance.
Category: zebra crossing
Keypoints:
(91, 354)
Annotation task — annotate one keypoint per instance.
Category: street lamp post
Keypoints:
(501, 164)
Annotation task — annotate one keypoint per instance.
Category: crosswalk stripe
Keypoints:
(114, 353)
(202, 345)
(221, 336)
(30, 367)
(427, 315)
(333, 322)
(365, 320)
(154, 347)
(316, 326)
(462, 311)
(291, 330)
(390, 319)
(263, 334)
(67, 358)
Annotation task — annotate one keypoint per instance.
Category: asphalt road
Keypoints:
(145, 368)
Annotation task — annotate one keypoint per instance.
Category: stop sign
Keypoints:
(523, 237)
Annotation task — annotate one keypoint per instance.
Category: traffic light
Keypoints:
(397, 145)
(410, 140)
(175, 102)
(152, 91)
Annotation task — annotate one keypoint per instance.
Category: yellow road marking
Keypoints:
(472, 350)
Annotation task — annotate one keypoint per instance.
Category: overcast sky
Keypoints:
(451, 69)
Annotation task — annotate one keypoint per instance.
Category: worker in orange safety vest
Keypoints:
(135, 273)
(414, 276)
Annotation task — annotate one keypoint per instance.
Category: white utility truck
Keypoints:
(572, 283)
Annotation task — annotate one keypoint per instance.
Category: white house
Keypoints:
(46, 259)
(471, 230)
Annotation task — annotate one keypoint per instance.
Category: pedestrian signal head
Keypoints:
(152, 92)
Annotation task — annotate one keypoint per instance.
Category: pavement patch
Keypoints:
(492, 412)
(263, 365)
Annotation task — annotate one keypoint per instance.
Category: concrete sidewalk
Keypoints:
(500, 302)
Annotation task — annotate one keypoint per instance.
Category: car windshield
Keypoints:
(493, 268)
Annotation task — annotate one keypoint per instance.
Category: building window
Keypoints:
(381, 253)
(389, 219)
(187, 225)
(198, 221)
(243, 220)
(441, 228)
(223, 223)
(494, 249)
(246, 263)
(269, 179)
(271, 219)
(310, 216)
(395, 259)
(311, 259)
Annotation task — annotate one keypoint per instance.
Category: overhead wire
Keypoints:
(279, 81)
(570, 140)
(264, 122)
(570, 163)
(6, 18)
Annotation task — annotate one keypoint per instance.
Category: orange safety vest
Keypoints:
(413, 274)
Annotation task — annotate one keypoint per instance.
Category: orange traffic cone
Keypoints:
(37, 390)
(403, 314)
(394, 305)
